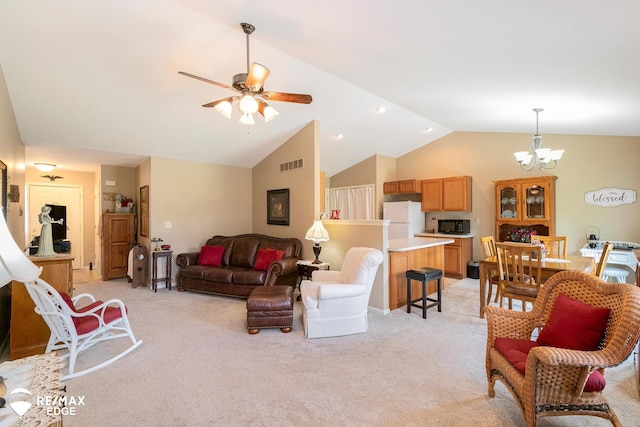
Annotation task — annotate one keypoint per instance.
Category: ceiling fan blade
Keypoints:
(206, 80)
(219, 101)
(258, 73)
(287, 97)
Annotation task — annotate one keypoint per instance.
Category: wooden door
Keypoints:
(118, 239)
(456, 194)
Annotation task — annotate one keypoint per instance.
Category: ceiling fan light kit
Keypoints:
(542, 158)
(252, 97)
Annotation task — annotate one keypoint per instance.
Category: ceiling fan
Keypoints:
(251, 96)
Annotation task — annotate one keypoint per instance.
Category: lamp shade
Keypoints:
(317, 232)
(14, 264)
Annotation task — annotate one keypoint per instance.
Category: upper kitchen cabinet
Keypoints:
(525, 202)
(452, 194)
(408, 186)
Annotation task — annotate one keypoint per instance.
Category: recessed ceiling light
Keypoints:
(430, 129)
(337, 136)
(381, 109)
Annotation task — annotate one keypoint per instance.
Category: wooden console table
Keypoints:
(168, 255)
(29, 333)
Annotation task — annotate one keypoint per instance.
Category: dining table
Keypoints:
(550, 266)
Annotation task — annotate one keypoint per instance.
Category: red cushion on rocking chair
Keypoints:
(87, 324)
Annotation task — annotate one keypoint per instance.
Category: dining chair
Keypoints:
(520, 272)
(489, 250)
(604, 256)
(556, 245)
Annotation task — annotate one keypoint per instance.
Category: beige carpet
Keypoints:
(199, 367)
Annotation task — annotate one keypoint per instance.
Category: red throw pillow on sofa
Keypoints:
(211, 255)
(574, 325)
(265, 257)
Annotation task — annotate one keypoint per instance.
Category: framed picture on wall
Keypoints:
(278, 207)
(144, 211)
(3, 187)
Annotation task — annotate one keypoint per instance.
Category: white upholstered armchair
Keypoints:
(335, 302)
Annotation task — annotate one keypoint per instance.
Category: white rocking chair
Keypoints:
(77, 329)
(74, 329)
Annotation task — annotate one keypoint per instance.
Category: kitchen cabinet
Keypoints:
(408, 186)
(452, 194)
(456, 257)
(525, 202)
(400, 262)
(29, 334)
(118, 237)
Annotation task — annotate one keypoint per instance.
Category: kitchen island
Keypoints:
(410, 253)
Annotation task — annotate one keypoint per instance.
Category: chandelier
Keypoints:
(542, 158)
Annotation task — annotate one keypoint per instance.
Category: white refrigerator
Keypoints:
(406, 219)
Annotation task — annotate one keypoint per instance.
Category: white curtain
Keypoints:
(353, 202)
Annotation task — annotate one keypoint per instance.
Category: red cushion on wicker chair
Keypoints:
(516, 352)
(574, 325)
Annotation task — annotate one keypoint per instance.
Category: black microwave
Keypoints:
(454, 226)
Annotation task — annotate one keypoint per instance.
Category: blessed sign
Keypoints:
(609, 197)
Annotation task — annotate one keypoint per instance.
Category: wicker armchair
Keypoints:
(554, 378)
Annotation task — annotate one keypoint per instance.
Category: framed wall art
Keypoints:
(278, 207)
(144, 211)
(3, 188)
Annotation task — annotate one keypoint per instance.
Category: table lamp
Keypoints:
(14, 264)
(318, 234)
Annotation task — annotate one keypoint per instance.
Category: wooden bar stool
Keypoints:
(424, 275)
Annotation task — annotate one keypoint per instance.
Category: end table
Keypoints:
(306, 269)
(168, 255)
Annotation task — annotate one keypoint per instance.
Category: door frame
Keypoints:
(80, 252)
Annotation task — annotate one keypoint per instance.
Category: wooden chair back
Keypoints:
(602, 263)
(556, 245)
(520, 271)
(488, 246)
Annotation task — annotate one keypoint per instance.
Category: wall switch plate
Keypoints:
(167, 224)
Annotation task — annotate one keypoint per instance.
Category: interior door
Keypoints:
(69, 196)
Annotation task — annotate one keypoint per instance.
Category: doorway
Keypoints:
(70, 196)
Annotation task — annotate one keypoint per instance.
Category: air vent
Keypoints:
(292, 165)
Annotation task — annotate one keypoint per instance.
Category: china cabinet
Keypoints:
(452, 194)
(525, 202)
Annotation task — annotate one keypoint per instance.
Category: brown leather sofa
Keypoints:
(236, 276)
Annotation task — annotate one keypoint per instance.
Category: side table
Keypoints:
(306, 269)
(168, 255)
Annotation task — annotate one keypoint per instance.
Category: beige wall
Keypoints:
(303, 185)
(12, 154)
(125, 180)
(589, 163)
(200, 200)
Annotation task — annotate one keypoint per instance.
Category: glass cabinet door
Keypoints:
(508, 202)
(535, 199)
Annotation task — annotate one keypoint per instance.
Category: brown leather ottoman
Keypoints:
(270, 307)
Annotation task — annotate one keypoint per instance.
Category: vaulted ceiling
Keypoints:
(97, 82)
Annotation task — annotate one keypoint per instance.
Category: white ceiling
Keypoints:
(96, 82)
